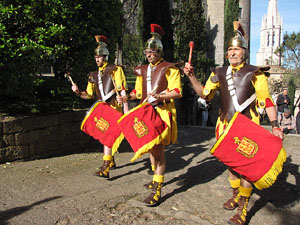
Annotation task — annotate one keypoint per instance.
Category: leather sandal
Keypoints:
(240, 217)
(104, 170)
(150, 185)
(232, 203)
(112, 164)
(154, 198)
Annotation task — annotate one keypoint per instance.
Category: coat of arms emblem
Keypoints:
(101, 124)
(246, 147)
(140, 128)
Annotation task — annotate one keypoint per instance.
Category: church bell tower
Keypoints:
(270, 37)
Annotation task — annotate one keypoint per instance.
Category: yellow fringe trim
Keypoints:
(146, 148)
(117, 143)
(270, 177)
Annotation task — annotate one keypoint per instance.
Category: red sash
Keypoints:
(100, 122)
(251, 151)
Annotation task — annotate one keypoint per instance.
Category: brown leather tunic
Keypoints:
(243, 87)
(106, 81)
(158, 77)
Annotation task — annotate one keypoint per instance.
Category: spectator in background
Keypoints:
(283, 101)
(188, 102)
(287, 122)
(298, 116)
(203, 106)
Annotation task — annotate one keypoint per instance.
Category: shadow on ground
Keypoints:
(281, 194)
(6, 215)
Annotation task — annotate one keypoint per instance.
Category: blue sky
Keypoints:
(289, 11)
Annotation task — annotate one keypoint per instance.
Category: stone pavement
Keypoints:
(62, 190)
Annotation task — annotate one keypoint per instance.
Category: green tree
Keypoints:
(158, 12)
(132, 44)
(53, 32)
(290, 50)
(231, 13)
(190, 25)
(191, 28)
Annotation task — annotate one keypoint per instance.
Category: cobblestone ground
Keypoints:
(62, 190)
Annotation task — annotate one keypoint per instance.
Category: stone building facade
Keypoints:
(270, 37)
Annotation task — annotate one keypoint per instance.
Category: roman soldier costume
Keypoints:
(103, 85)
(160, 77)
(243, 89)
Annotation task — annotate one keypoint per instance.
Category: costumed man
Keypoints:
(239, 84)
(103, 85)
(161, 81)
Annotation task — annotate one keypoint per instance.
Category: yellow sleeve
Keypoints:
(174, 79)
(119, 78)
(210, 87)
(90, 90)
(139, 87)
(260, 83)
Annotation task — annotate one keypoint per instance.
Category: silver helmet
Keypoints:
(238, 40)
(155, 41)
(102, 45)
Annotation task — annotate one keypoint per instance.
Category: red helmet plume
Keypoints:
(155, 28)
(101, 38)
(102, 45)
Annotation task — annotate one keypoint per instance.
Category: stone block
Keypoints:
(32, 137)
(11, 125)
(39, 122)
(66, 117)
(12, 153)
(38, 149)
(2, 143)
(8, 140)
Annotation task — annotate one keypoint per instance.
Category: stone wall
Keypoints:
(214, 10)
(26, 138)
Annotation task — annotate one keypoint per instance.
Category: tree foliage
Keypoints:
(290, 49)
(132, 43)
(190, 25)
(231, 13)
(51, 32)
(158, 12)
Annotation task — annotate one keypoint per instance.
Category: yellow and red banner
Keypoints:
(251, 151)
(100, 122)
(143, 128)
